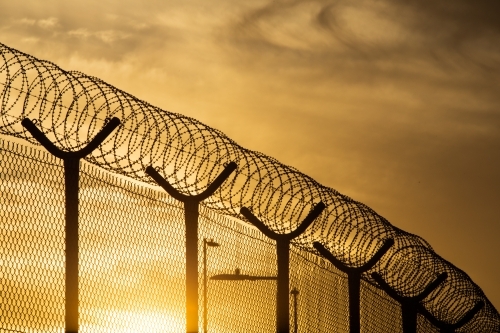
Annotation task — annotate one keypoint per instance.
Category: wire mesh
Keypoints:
(132, 260)
(32, 240)
(131, 241)
(323, 294)
(238, 306)
(125, 221)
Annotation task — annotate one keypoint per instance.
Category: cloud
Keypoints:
(93, 31)
(48, 23)
(106, 36)
(387, 34)
(80, 33)
(27, 21)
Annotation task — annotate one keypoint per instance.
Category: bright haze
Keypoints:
(394, 103)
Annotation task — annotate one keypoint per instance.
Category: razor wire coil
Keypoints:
(71, 107)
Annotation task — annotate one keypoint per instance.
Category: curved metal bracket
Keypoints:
(378, 255)
(93, 144)
(257, 223)
(432, 286)
(391, 292)
(354, 279)
(409, 305)
(451, 328)
(198, 197)
(308, 220)
(354, 270)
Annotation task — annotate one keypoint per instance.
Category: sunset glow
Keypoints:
(387, 113)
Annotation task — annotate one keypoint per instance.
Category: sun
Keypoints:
(122, 321)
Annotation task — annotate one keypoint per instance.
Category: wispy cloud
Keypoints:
(373, 30)
(48, 23)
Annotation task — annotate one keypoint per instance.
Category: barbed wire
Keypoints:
(71, 107)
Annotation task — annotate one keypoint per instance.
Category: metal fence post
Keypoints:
(71, 186)
(354, 279)
(283, 260)
(191, 213)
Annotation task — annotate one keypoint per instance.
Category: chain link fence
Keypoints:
(132, 260)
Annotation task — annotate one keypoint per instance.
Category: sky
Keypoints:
(395, 104)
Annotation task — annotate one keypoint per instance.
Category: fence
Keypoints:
(132, 259)
(132, 235)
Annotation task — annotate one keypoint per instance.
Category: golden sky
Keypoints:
(395, 104)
